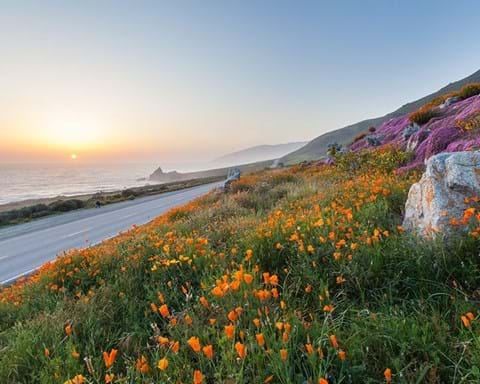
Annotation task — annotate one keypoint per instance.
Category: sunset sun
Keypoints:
(73, 156)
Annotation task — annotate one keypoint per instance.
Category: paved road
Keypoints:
(25, 247)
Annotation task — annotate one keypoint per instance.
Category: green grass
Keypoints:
(399, 305)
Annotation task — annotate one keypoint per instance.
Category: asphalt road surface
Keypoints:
(25, 247)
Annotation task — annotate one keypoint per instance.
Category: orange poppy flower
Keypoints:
(164, 310)
(197, 377)
(232, 316)
(109, 358)
(260, 339)
(142, 364)
(273, 280)
(333, 340)
(78, 379)
(309, 349)
(175, 346)
(328, 308)
(248, 278)
(388, 375)
(194, 343)
(204, 301)
(208, 351)
(466, 321)
(241, 350)
(229, 331)
(162, 364)
(217, 291)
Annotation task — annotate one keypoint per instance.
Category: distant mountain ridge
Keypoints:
(167, 177)
(259, 153)
(317, 148)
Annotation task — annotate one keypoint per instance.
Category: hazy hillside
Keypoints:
(259, 153)
(318, 146)
(166, 177)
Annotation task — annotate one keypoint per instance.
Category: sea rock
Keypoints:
(166, 177)
(440, 194)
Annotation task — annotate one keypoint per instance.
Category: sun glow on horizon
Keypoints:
(63, 130)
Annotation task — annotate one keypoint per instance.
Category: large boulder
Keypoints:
(437, 203)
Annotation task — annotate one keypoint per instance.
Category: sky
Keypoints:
(156, 81)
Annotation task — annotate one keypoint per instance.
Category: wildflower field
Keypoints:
(297, 275)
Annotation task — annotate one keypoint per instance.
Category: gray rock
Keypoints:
(449, 101)
(409, 130)
(439, 195)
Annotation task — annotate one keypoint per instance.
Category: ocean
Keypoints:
(31, 181)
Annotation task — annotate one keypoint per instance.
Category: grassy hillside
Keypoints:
(317, 148)
(300, 275)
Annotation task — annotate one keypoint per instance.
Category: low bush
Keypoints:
(428, 111)
(359, 137)
(424, 115)
(39, 210)
(386, 159)
(66, 205)
(469, 90)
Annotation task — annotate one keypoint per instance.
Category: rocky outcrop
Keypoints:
(166, 177)
(437, 203)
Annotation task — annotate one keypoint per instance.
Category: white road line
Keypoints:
(10, 279)
(77, 233)
(182, 197)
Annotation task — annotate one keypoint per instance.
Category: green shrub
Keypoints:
(469, 90)
(66, 205)
(359, 137)
(386, 159)
(424, 115)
